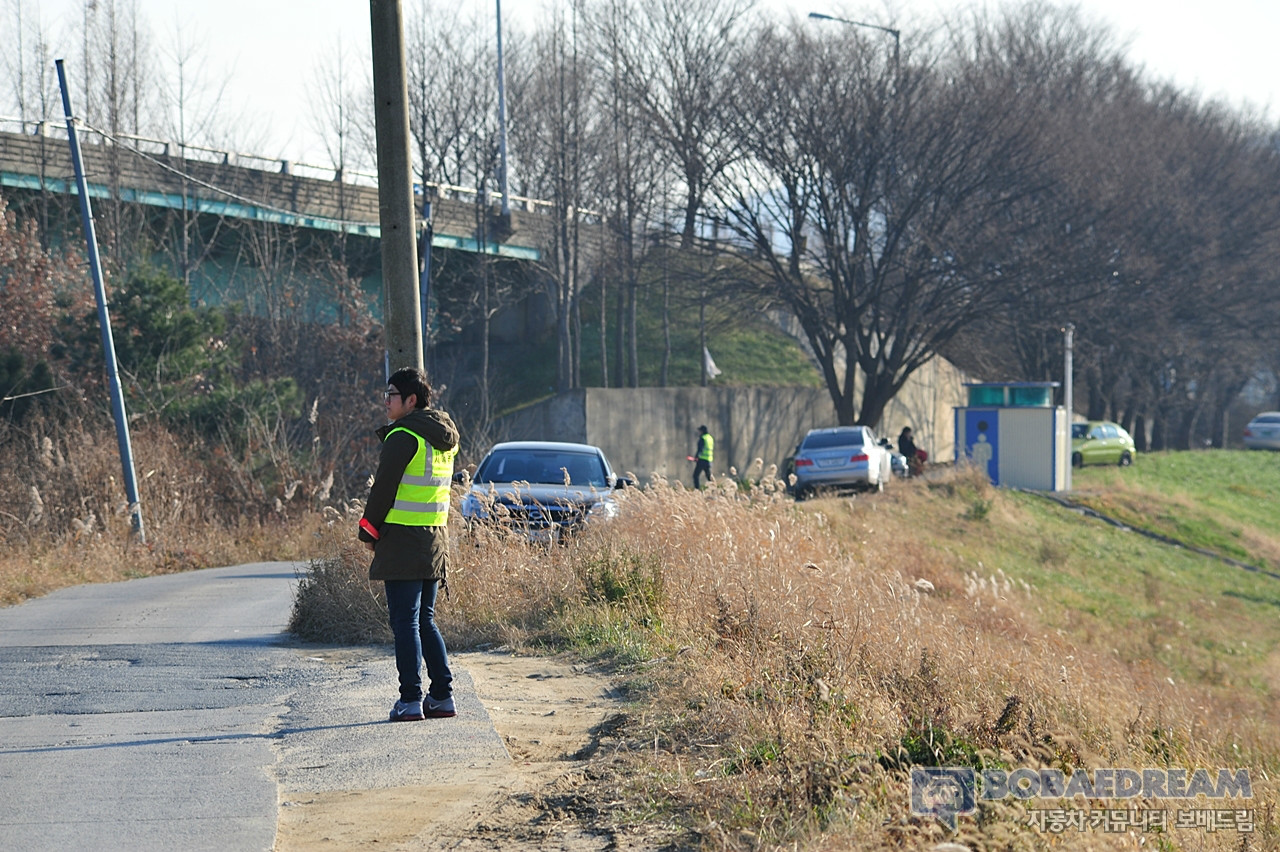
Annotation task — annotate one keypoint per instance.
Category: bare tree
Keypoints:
(631, 182)
(453, 118)
(338, 108)
(120, 99)
(557, 133)
(34, 89)
(877, 197)
(193, 109)
(15, 60)
(677, 58)
(1200, 256)
(452, 94)
(341, 116)
(1154, 232)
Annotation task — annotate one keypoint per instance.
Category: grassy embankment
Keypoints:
(786, 662)
(745, 345)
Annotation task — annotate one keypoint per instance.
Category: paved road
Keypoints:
(174, 713)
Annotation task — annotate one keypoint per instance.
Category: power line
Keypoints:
(32, 393)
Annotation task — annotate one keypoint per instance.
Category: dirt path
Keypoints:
(545, 711)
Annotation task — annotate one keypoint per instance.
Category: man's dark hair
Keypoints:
(702, 428)
(410, 380)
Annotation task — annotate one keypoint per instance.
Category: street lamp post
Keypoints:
(502, 124)
(897, 34)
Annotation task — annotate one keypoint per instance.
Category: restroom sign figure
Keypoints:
(982, 443)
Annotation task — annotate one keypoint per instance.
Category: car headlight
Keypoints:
(472, 509)
(602, 510)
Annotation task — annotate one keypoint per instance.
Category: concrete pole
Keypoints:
(1068, 393)
(401, 304)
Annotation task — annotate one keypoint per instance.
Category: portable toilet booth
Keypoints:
(1013, 430)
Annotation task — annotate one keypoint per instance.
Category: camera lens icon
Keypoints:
(942, 792)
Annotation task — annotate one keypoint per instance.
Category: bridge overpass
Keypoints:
(206, 181)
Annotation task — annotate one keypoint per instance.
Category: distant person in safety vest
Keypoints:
(404, 525)
(703, 456)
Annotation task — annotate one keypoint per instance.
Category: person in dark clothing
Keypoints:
(404, 525)
(703, 455)
(907, 446)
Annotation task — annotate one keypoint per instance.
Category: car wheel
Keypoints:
(1126, 459)
(802, 494)
(1077, 460)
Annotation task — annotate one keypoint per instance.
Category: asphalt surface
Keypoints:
(174, 712)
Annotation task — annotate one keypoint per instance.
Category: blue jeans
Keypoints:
(412, 607)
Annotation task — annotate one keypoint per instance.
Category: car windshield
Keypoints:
(826, 440)
(1079, 430)
(544, 467)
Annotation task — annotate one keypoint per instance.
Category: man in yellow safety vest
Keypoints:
(703, 455)
(404, 525)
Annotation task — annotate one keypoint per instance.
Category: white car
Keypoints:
(1263, 432)
(544, 489)
(841, 458)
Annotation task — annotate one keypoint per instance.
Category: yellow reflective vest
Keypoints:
(706, 447)
(422, 498)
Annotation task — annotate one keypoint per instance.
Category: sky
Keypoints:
(269, 50)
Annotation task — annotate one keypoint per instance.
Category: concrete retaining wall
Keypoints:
(651, 430)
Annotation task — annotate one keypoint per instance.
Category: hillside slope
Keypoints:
(789, 663)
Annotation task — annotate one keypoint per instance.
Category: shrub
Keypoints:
(336, 602)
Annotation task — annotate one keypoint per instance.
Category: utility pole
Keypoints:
(1068, 392)
(400, 299)
(104, 318)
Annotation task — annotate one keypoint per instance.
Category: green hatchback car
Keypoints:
(1101, 442)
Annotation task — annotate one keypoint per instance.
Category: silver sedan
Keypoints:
(1263, 432)
(841, 458)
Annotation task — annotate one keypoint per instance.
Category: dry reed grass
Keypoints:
(787, 662)
(66, 520)
(794, 661)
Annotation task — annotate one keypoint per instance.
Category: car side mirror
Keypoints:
(624, 482)
(461, 477)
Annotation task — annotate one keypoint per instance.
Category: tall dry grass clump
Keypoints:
(67, 520)
(335, 602)
(793, 661)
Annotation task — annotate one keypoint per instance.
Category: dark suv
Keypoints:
(545, 489)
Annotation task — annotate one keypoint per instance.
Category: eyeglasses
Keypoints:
(386, 394)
